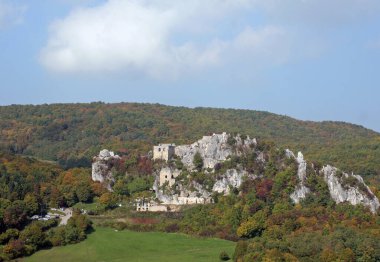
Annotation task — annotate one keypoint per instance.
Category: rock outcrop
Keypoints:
(213, 149)
(172, 189)
(185, 197)
(231, 179)
(350, 188)
(343, 187)
(101, 168)
(301, 190)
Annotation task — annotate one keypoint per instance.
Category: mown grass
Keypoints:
(106, 244)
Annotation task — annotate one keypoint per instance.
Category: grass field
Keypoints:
(106, 244)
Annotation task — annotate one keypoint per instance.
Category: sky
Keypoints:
(308, 59)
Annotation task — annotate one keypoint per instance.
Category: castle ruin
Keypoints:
(163, 152)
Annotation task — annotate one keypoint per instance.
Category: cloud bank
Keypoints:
(168, 38)
(141, 36)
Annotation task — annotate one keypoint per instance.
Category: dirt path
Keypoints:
(68, 213)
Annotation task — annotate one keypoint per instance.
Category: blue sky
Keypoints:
(309, 59)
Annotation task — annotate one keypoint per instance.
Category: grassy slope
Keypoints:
(64, 131)
(107, 245)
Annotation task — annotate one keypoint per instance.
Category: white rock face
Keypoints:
(345, 193)
(339, 193)
(301, 190)
(213, 149)
(185, 197)
(232, 178)
(101, 170)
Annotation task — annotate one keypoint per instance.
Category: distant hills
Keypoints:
(73, 133)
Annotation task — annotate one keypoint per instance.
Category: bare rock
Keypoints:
(301, 190)
(231, 179)
(101, 168)
(213, 149)
(355, 192)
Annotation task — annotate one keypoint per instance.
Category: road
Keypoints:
(68, 213)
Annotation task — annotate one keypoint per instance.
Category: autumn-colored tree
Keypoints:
(263, 189)
(253, 226)
(15, 215)
(108, 199)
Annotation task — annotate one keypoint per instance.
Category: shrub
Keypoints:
(198, 161)
(171, 228)
(224, 256)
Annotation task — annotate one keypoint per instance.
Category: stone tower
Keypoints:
(163, 152)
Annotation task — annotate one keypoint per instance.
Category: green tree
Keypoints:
(33, 235)
(83, 192)
(31, 204)
(198, 161)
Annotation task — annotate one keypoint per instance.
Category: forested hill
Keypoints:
(73, 133)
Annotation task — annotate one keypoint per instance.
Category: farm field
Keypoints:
(106, 244)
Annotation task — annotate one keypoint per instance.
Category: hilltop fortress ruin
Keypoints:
(177, 185)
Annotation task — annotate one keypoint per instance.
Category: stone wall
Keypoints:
(168, 175)
(163, 152)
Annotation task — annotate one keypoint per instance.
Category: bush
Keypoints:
(198, 161)
(224, 256)
(11, 233)
(172, 228)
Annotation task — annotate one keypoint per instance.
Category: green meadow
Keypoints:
(106, 244)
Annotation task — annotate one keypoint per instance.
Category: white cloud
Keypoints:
(166, 38)
(10, 13)
(140, 36)
(115, 35)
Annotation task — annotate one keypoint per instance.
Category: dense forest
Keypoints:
(29, 187)
(73, 133)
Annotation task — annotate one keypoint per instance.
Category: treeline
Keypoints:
(73, 133)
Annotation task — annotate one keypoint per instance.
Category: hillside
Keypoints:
(276, 204)
(231, 187)
(73, 133)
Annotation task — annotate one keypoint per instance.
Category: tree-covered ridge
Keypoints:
(73, 133)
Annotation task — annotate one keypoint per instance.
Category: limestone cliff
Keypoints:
(343, 187)
(195, 193)
(213, 149)
(301, 190)
(101, 168)
(172, 187)
(233, 178)
(350, 188)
